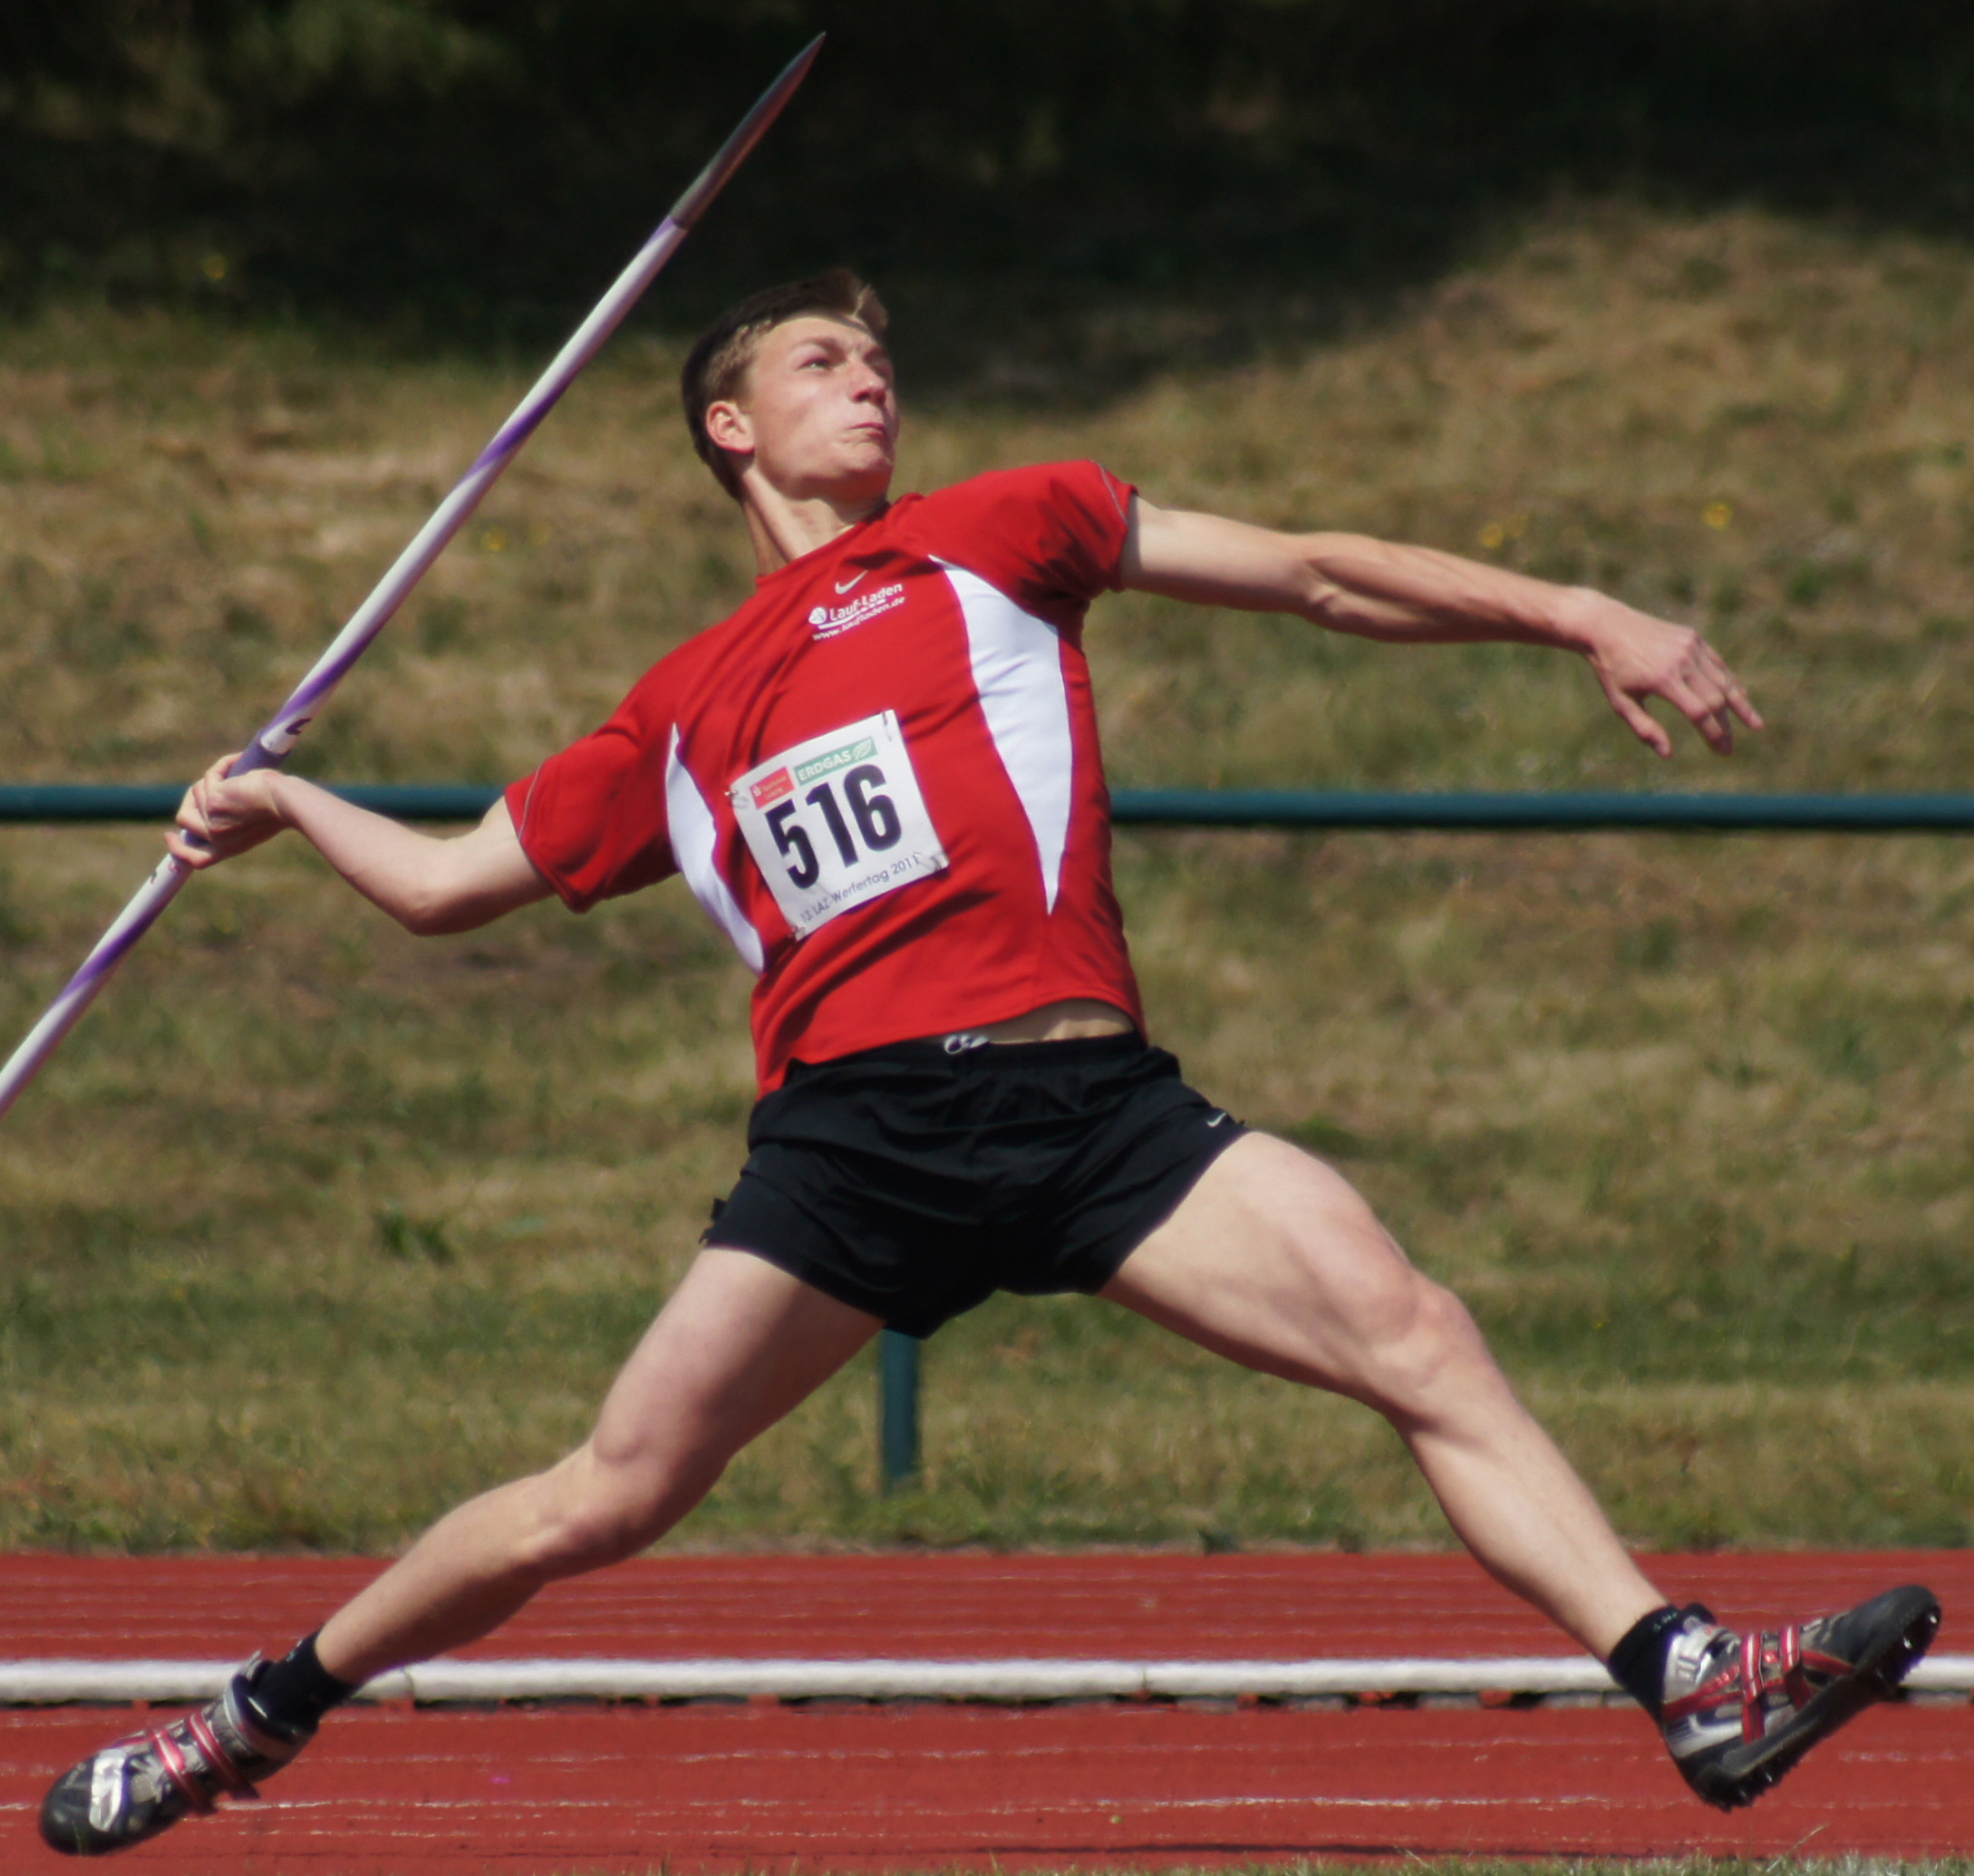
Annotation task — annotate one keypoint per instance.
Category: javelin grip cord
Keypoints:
(277, 737)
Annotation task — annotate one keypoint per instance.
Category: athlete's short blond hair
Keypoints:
(717, 365)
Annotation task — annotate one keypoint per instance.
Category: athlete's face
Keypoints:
(818, 410)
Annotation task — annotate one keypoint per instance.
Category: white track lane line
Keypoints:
(445, 1682)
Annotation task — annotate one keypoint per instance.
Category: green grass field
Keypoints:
(312, 1228)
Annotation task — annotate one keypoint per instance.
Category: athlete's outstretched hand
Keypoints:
(226, 816)
(1419, 595)
(1637, 656)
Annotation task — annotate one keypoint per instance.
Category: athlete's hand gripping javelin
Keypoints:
(223, 816)
(1418, 595)
(430, 885)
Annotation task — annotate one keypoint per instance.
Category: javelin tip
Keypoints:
(752, 128)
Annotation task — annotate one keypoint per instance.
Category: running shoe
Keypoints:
(131, 1791)
(1739, 1710)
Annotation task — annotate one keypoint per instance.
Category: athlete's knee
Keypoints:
(594, 1510)
(1424, 1351)
(1384, 1330)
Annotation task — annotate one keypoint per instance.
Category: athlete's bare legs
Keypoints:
(737, 1345)
(1273, 1259)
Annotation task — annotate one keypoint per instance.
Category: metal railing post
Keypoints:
(898, 1417)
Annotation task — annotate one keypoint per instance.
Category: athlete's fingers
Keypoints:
(1709, 719)
(1724, 695)
(221, 816)
(194, 839)
(240, 802)
(195, 811)
(1640, 720)
(1705, 709)
(182, 850)
(191, 815)
(1736, 698)
(1724, 690)
(1699, 684)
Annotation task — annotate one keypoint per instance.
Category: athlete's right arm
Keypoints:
(429, 886)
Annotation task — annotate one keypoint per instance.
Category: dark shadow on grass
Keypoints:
(1061, 199)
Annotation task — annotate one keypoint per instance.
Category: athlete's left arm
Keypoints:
(1418, 595)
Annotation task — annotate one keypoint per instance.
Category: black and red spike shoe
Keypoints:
(1739, 1710)
(139, 1786)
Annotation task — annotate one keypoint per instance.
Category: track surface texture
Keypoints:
(718, 1786)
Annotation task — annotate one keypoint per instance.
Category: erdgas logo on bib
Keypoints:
(829, 621)
(785, 781)
(836, 821)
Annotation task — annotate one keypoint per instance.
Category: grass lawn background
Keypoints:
(312, 1228)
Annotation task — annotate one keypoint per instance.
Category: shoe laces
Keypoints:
(1730, 1668)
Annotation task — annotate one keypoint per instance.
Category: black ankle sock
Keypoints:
(294, 1693)
(1638, 1663)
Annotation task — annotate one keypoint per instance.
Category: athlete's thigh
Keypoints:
(738, 1344)
(1275, 1259)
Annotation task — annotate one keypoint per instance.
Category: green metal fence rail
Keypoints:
(1553, 813)
(1332, 809)
(48, 802)
(1319, 808)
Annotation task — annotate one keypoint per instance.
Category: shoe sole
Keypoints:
(1910, 1620)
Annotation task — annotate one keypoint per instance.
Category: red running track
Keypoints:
(1090, 1605)
(720, 1787)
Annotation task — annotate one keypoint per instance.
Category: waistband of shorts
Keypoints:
(964, 1050)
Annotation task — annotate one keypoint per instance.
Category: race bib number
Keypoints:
(836, 821)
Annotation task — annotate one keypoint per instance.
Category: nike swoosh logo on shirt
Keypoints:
(844, 585)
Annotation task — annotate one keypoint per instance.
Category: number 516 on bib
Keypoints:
(836, 821)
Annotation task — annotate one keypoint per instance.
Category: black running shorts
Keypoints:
(914, 1182)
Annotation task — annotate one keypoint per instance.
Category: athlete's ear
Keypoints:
(730, 427)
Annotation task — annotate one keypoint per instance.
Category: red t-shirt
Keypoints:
(880, 776)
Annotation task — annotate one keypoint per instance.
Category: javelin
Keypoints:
(272, 746)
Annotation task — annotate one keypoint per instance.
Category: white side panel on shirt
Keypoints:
(694, 837)
(1017, 671)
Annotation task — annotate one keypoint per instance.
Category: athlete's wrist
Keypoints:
(278, 795)
(1581, 619)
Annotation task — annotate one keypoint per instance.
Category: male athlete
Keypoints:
(881, 778)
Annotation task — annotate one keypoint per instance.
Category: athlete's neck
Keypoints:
(784, 527)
